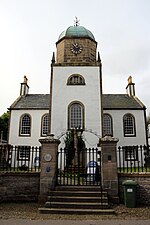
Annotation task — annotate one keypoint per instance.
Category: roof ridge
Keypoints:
(15, 102)
(139, 102)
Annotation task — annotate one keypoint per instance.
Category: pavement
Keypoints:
(72, 222)
(28, 214)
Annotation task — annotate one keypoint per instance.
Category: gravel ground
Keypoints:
(30, 211)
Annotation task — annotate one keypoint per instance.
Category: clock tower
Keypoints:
(76, 45)
(76, 85)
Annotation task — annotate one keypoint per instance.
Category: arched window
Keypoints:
(107, 125)
(44, 125)
(76, 79)
(129, 125)
(76, 115)
(25, 125)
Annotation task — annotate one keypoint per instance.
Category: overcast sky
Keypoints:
(29, 30)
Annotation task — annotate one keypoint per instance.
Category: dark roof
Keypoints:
(121, 101)
(32, 101)
(110, 101)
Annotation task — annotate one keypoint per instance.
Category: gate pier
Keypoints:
(48, 175)
(109, 166)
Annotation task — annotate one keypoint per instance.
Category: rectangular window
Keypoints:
(24, 153)
(129, 125)
(131, 153)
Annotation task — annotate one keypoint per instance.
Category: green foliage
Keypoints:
(70, 148)
(81, 143)
(4, 119)
(134, 170)
(69, 140)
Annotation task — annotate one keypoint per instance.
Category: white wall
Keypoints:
(117, 116)
(14, 137)
(88, 94)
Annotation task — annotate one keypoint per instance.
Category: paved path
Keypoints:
(72, 222)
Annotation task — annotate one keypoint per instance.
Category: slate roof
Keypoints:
(32, 101)
(110, 101)
(121, 101)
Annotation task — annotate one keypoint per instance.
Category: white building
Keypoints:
(76, 100)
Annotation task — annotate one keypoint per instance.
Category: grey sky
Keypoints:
(30, 29)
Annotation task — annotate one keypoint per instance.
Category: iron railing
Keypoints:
(19, 158)
(73, 169)
(133, 159)
(79, 167)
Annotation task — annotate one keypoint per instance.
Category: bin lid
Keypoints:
(92, 164)
(129, 182)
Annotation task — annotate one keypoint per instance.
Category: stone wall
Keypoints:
(19, 186)
(143, 186)
(25, 186)
(65, 54)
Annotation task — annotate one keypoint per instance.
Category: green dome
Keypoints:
(76, 31)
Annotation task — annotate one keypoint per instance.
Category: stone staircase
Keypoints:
(77, 200)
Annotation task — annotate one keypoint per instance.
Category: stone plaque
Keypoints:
(47, 157)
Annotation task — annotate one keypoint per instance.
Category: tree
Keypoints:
(4, 119)
(70, 146)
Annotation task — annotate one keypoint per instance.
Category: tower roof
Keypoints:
(76, 31)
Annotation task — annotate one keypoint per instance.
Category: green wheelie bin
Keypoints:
(129, 187)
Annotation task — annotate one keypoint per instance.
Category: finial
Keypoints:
(99, 58)
(129, 80)
(53, 58)
(25, 80)
(76, 21)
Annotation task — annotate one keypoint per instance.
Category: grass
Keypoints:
(134, 170)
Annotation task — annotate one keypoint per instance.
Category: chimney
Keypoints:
(24, 90)
(130, 87)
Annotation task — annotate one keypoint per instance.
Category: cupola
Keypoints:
(76, 32)
(76, 45)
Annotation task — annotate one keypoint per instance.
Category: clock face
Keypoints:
(76, 49)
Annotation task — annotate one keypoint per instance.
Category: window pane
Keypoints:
(107, 125)
(25, 124)
(76, 116)
(128, 125)
(23, 152)
(131, 153)
(76, 79)
(45, 123)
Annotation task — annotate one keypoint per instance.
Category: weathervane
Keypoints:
(76, 21)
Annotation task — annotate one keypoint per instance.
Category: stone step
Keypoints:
(77, 200)
(76, 205)
(78, 194)
(58, 198)
(76, 211)
(79, 188)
